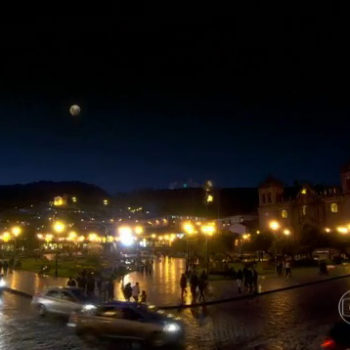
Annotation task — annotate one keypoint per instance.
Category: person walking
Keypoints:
(193, 286)
(71, 282)
(136, 291)
(127, 292)
(288, 269)
(202, 285)
(143, 297)
(183, 285)
(5, 266)
(239, 279)
(110, 288)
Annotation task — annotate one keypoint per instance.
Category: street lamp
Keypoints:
(274, 225)
(16, 231)
(208, 230)
(58, 227)
(286, 232)
(189, 228)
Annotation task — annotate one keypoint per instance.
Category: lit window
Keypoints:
(284, 214)
(334, 207)
(304, 209)
(304, 191)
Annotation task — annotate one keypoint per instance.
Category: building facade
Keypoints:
(294, 210)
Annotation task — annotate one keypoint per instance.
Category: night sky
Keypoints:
(232, 96)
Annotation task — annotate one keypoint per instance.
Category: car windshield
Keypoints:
(79, 294)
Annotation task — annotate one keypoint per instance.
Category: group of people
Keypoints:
(93, 284)
(196, 283)
(285, 265)
(246, 279)
(5, 267)
(134, 293)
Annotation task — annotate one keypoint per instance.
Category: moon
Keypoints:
(74, 110)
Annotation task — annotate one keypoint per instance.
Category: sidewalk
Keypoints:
(163, 288)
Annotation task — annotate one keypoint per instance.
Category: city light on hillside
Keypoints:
(58, 201)
(210, 198)
(274, 225)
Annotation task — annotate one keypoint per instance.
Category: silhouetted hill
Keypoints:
(21, 195)
(190, 201)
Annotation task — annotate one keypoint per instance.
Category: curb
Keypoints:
(18, 292)
(251, 296)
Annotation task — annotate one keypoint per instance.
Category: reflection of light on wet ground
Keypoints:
(162, 285)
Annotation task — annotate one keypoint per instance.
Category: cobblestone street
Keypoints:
(296, 319)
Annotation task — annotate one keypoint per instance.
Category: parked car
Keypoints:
(127, 320)
(61, 300)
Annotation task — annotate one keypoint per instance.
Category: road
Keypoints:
(295, 319)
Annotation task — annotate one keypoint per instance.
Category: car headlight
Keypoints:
(89, 307)
(2, 283)
(172, 327)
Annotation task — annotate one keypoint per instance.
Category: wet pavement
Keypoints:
(291, 320)
(162, 286)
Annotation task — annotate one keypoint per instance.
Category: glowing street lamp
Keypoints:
(274, 225)
(138, 230)
(93, 237)
(126, 236)
(189, 228)
(48, 237)
(105, 202)
(59, 226)
(74, 199)
(286, 232)
(72, 236)
(342, 230)
(6, 236)
(16, 231)
(208, 230)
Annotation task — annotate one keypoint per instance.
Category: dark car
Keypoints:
(126, 320)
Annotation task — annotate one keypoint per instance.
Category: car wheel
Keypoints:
(157, 340)
(42, 310)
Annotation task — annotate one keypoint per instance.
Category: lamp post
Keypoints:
(58, 227)
(189, 229)
(208, 230)
(16, 231)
